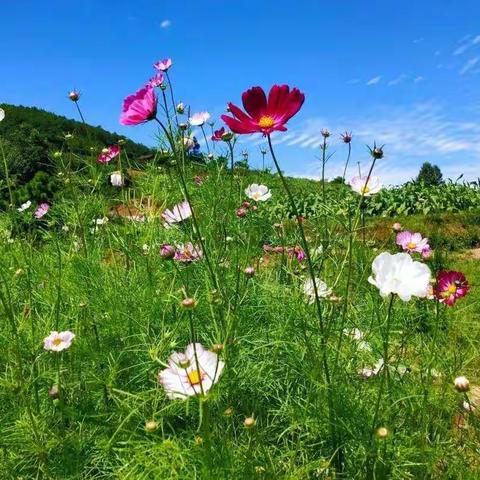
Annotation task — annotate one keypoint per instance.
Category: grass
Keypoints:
(123, 305)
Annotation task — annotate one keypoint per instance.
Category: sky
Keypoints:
(400, 73)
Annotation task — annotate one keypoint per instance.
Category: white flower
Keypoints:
(400, 274)
(357, 335)
(177, 214)
(370, 372)
(198, 119)
(117, 180)
(191, 373)
(24, 206)
(259, 193)
(2, 114)
(361, 186)
(58, 341)
(101, 221)
(322, 289)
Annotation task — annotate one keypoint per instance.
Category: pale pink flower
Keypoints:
(108, 154)
(41, 210)
(177, 214)
(364, 187)
(139, 107)
(187, 253)
(198, 119)
(163, 65)
(259, 193)
(156, 80)
(58, 341)
(191, 373)
(412, 242)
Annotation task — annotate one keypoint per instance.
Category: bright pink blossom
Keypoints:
(264, 115)
(108, 154)
(41, 210)
(163, 65)
(139, 107)
(218, 135)
(450, 287)
(412, 242)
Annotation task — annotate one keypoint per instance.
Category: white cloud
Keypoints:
(397, 80)
(469, 65)
(165, 23)
(476, 40)
(461, 49)
(374, 80)
(418, 79)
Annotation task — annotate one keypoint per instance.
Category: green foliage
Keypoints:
(430, 175)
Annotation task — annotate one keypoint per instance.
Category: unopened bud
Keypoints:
(382, 432)
(249, 422)
(53, 392)
(189, 303)
(241, 212)
(325, 133)
(397, 227)
(180, 108)
(249, 272)
(151, 426)
(183, 126)
(462, 384)
(217, 347)
(74, 95)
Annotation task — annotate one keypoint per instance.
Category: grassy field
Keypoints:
(96, 410)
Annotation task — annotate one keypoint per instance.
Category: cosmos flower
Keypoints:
(24, 206)
(187, 253)
(358, 336)
(450, 287)
(177, 214)
(259, 193)
(198, 119)
(41, 210)
(218, 134)
(191, 373)
(264, 115)
(167, 251)
(156, 80)
(163, 65)
(117, 179)
(364, 188)
(400, 274)
(371, 372)
(2, 114)
(139, 107)
(58, 341)
(108, 154)
(412, 242)
(322, 289)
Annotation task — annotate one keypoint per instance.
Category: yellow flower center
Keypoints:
(365, 189)
(411, 245)
(57, 341)
(194, 377)
(452, 288)
(256, 195)
(266, 121)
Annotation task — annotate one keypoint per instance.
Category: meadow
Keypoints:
(187, 317)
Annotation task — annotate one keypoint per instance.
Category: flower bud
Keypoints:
(249, 422)
(167, 251)
(228, 412)
(347, 137)
(241, 212)
(325, 133)
(461, 384)
(227, 136)
(376, 152)
(183, 126)
(246, 204)
(397, 227)
(151, 426)
(53, 392)
(180, 108)
(217, 347)
(382, 432)
(249, 272)
(189, 303)
(74, 95)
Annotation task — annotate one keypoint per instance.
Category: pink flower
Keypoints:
(163, 65)
(262, 114)
(427, 252)
(58, 341)
(450, 286)
(218, 135)
(167, 251)
(188, 253)
(177, 214)
(139, 107)
(412, 242)
(199, 118)
(41, 210)
(108, 154)
(156, 81)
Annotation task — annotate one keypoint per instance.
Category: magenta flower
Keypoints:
(139, 107)
(41, 210)
(167, 251)
(156, 81)
(218, 135)
(450, 287)
(108, 154)
(163, 65)
(412, 242)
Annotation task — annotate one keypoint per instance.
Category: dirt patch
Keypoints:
(472, 254)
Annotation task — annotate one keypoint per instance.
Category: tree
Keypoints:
(430, 174)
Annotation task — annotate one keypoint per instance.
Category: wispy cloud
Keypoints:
(165, 23)
(469, 65)
(374, 80)
(397, 80)
(418, 40)
(461, 49)
(418, 79)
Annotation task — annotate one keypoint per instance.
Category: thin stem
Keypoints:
(348, 160)
(80, 113)
(172, 97)
(7, 177)
(205, 137)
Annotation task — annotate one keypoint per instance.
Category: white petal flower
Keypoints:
(400, 274)
(117, 180)
(357, 335)
(58, 341)
(322, 289)
(257, 192)
(198, 119)
(371, 372)
(193, 372)
(177, 214)
(364, 187)
(2, 114)
(24, 206)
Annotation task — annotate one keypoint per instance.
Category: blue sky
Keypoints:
(402, 73)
